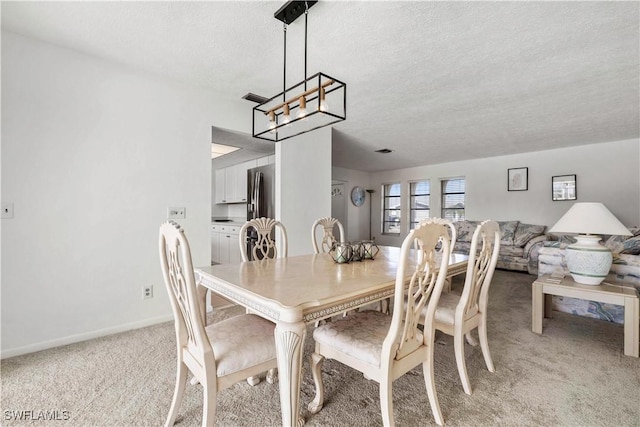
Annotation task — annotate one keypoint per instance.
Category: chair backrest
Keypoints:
(265, 245)
(328, 238)
(483, 256)
(428, 269)
(453, 233)
(177, 269)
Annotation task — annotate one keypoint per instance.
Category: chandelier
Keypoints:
(317, 101)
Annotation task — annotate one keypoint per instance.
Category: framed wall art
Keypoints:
(518, 179)
(564, 187)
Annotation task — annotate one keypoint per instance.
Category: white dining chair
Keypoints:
(328, 238)
(458, 315)
(453, 234)
(218, 355)
(385, 347)
(265, 245)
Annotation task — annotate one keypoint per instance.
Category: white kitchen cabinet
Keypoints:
(225, 248)
(235, 256)
(238, 187)
(266, 160)
(231, 183)
(215, 245)
(233, 178)
(220, 188)
(225, 244)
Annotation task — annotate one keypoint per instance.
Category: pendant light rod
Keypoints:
(306, 15)
(284, 71)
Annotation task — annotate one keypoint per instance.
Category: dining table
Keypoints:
(298, 290)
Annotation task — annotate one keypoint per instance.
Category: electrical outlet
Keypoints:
(7, 210)
(176, 213)
(147, 292)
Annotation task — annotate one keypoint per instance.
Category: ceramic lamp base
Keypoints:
(588, 261)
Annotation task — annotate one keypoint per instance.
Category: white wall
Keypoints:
(92, 156)
(607, 172)
(303, 186)
(357, 227)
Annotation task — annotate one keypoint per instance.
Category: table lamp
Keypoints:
(589, 261)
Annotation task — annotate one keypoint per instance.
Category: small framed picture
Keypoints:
(518, 179)
(564, 187)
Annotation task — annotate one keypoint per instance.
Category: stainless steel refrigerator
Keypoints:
(261, 184)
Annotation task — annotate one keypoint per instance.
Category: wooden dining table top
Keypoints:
(309, 287)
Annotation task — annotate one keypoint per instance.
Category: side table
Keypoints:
(548, 285)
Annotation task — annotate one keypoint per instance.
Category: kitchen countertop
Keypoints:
(228, 221)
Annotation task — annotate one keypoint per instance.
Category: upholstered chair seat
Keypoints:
(361, 338)
(447, 305)
(241, 342)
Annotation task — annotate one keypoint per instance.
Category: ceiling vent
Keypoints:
(255, 98)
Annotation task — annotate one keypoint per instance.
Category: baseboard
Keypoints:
(72, 339)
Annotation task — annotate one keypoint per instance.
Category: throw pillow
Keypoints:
(464, 230)
(631, 246)
(559, 241)
(617, 243)
(526, 232)
(507, 231)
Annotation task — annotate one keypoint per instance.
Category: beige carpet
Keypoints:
(573, 375)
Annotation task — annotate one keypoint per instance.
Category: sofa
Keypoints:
(519, 243)
(625, 271)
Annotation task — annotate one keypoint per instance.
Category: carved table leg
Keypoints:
(384, 305)
(289, 341)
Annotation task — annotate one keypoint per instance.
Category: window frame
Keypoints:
(413, 224)
(384, 210)
(443, 194)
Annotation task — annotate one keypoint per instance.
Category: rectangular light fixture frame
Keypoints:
(335, 94)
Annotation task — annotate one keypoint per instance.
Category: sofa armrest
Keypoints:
(551, 260)
(537, 242)
(626, 268)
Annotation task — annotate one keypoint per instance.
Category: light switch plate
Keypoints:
(7, 210)
(176, 213)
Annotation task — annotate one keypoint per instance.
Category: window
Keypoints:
(391, 208)
(419, 194)
(453, 199)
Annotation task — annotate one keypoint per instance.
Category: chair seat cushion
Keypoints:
(446, 310)
(359, 335)
(240, 342)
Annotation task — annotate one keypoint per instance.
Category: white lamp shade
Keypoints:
(589, 218)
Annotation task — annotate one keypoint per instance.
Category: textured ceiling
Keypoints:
(433, 81)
